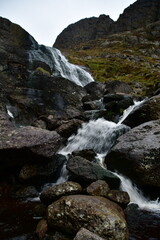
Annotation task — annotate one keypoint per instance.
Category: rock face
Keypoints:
(137, 154)
(147, 111)
(83, 31)
(31, 84)
(97, 214)
(88, 172)
(137, 15)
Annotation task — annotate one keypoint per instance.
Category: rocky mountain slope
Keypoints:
(128, 51)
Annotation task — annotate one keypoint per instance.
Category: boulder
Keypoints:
(88, 154)
(51, 194)
(20, 145)
(137, 154)
(27, 192)
(86, 234)
(98, 188)
(88, 172)
(97, 214)
(145, 112)
(120, 197)
(67, 128)
(95, 90)
(115, 104)
(117, 87)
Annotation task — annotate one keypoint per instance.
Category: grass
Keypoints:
(119, 59)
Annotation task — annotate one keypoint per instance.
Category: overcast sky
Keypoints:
(45, 19)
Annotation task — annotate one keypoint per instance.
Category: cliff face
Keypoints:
(137, 15)
(83, 31)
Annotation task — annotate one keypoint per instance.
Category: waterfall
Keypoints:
(59, 65)
(136, 196)
(99, 135)
(129, 110)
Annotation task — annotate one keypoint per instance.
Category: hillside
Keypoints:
(129, 51)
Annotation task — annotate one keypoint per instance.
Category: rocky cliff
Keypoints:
(137, 15)
(83, 31)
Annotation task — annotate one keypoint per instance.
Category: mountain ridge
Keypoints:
(138, 14)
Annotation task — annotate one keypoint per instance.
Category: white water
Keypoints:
(136, 196)
(60, 66)
(129, 110)
(100, 135)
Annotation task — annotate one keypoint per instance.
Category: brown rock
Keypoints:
(86, 234)
(51, 194)
(98, 188)
(97, 214)
(119, 197)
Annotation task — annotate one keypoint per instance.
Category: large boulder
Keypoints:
(88, 172)
(97, 214)
(137, 154)
(145, 112)
(37, 141)
(51, 194)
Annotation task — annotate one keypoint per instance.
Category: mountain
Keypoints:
(128, 51)
(84, 30)
(137, 15)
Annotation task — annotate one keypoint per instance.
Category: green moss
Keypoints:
(125, 57)
(42, 71)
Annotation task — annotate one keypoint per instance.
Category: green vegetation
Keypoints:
(129, 57)
(42, 71)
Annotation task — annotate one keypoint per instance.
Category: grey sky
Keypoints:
(45, 19)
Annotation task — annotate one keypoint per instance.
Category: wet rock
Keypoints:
(93, 105)
(38, 173)
(117, 87)
(42, 229)
(88, 172)
(57, 236)
(147, 111)
(28, 89)
(137, 154)
(20, 145)
(51, 194)
(88, 154)
(86, 234)
(97, 214)
(27, 192)
(39, 211)
(95, 90)
(115, 105)
(98, 188)
(67, 128)
(120, 197)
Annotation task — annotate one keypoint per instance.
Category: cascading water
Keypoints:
(100, 135)
(59, 65)
(136, 196)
